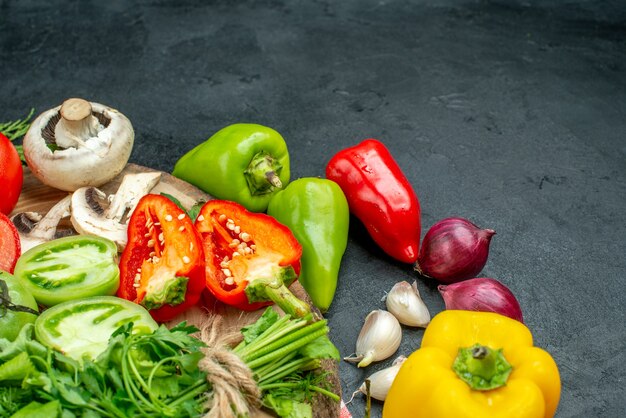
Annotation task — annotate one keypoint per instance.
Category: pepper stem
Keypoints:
(482, 367)
(273, 179)
(273, 286)
(287, 301)
(262, 174)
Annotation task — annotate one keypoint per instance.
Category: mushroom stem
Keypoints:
(133, 188)
(91, 218)
(77, 124)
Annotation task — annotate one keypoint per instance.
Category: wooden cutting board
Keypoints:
(37, 197)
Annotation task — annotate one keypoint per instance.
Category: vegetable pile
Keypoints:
(90, 353)
(157, 372)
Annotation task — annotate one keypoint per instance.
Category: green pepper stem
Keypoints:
(271, 284)
(482, 367)
(287, 301)
(273, 179)
(262, 174)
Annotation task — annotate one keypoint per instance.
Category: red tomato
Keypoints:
(11, 176)
(9, 244)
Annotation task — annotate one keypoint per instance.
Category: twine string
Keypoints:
(234, 391)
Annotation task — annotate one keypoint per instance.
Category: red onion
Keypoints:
(483, 295)
(454, 249)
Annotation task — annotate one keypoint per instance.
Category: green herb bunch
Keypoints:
(148, 375)
(16, 129)
(159, 374)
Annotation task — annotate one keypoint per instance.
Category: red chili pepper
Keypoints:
(162, 266)
(9, 244)
(250, 258)
(379, 195)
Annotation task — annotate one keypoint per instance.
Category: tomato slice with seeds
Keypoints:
(251, 258)
(162, 266)
(83, 327)
(69, 268)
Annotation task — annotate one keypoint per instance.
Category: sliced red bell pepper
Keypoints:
(162, 266)
(250, 258)
(10, 248)
(380, 195)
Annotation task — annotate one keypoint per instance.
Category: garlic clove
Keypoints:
(405, 303)
(380, 382)
(379, 338)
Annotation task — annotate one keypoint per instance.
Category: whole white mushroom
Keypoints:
(78, 144)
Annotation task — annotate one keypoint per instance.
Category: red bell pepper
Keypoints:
(379, 195)
(9, 244)
(250, 258)
(162, 266)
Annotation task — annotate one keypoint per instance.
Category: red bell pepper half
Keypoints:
(250, 258)
(162, 266)
(10, 248)
(379, 195)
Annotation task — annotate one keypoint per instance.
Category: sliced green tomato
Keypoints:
(69, 268)
(12, 317)
(83, 327)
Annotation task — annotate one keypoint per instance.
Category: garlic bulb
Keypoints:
(379, 338)
(381, 381)
(405, 303)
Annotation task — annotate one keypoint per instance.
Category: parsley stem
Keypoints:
(283, 371)
(297, 384)
(243, 346)
(263, 370)
(148, 387)
(109, 407)
(295, 341)
(138, 377)
(325, 392)
(102, 411)
(274, 332)
(129, 385)
(295, 345)
(191, 393)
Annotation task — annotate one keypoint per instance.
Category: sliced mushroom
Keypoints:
(78, 144)
(35, 229)
(92, 214)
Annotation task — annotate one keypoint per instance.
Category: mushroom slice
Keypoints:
(92, 214)
(34, 229)
(78, 137)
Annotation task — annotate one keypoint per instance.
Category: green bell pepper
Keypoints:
(316, 211)
(245, 163)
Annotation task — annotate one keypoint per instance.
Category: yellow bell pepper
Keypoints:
(474, 365)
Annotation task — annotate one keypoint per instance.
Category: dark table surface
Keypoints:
(509, 113)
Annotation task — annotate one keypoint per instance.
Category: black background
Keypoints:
(509, 113)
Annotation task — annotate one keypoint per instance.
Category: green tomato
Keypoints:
(69, 268)
(83, 327)
(12, 320)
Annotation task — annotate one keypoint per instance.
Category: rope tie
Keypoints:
(234, 391)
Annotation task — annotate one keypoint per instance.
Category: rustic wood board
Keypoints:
(37, 197)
